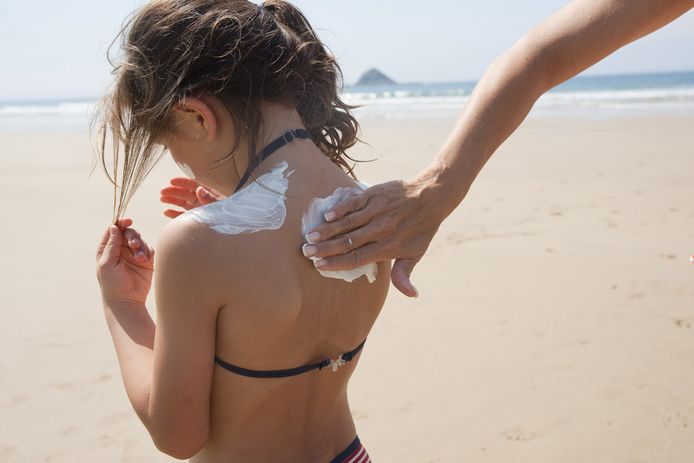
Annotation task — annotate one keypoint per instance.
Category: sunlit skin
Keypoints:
(218, 295)
(397, 220)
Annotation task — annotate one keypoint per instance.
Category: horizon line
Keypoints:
(84, 99)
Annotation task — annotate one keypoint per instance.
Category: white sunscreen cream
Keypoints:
(258, 206)
(315, 215)
(185, 168)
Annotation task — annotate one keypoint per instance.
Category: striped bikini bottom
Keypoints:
(354, 453)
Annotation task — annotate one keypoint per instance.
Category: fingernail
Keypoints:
(309, 251)
(330, 216)
(313, 237)
(321, 264)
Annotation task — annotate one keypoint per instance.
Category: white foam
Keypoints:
(259, 206)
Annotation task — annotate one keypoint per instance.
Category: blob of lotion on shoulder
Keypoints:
(258, 206)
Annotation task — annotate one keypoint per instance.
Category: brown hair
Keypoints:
(234, 50)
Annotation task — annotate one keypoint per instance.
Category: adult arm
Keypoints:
(397, 220)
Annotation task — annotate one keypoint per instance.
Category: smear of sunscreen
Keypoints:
(315, 215)
(258, 206)
(186, 169)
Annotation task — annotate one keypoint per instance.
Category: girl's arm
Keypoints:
(397, 220)
(167, 369)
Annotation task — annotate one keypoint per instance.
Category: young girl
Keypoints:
(253, 347)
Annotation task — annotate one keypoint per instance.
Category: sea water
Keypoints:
(592, 96)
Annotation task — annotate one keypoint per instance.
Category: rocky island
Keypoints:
(375, 77)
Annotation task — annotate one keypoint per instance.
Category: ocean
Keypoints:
(583, 96)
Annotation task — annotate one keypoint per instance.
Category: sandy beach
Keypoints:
(555, 322)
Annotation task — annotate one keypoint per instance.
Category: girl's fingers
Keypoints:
(180, 193)
(172, 214)
(102, 244)
(132, 238)
(187, 183)
(112, 249)
(176, 202)
(122, 223)
(205, 196)
(125, 222)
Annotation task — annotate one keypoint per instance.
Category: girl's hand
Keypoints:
(188, 194)
(124, 265)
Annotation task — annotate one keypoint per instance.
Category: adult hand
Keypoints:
(395, 220)
(124, 264)
(188, 194)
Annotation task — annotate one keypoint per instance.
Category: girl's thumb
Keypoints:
(204, 196)
(113, 246)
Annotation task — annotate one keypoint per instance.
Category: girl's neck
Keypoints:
(276, 121)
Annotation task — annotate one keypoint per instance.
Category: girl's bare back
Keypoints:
(280, 313)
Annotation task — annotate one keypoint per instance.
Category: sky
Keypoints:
(53, 49)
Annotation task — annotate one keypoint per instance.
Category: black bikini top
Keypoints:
(288, 137)
(335, 363)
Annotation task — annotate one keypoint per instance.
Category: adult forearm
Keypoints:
(576, 37)
(132, 330)
(500, 102)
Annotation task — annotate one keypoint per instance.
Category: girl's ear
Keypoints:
(196, 120)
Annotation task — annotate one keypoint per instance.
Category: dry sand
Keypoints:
(555, 323)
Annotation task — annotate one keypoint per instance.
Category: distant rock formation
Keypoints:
(375, 77)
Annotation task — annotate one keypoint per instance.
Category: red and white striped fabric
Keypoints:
(360, 455)
(354, 453)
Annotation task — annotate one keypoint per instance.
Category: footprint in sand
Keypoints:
(676, 419)
(6, 452)
(519, 435)
(667, 256)
(116, 418)
(79, 385)
(20, 399)
(682, 323)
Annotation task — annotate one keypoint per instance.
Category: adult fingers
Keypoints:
(341, 226)
(400, 275)
(349, 205)
(342, 244)
(371, 252)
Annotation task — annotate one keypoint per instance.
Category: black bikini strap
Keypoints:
(288, 137)
(289, 371)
